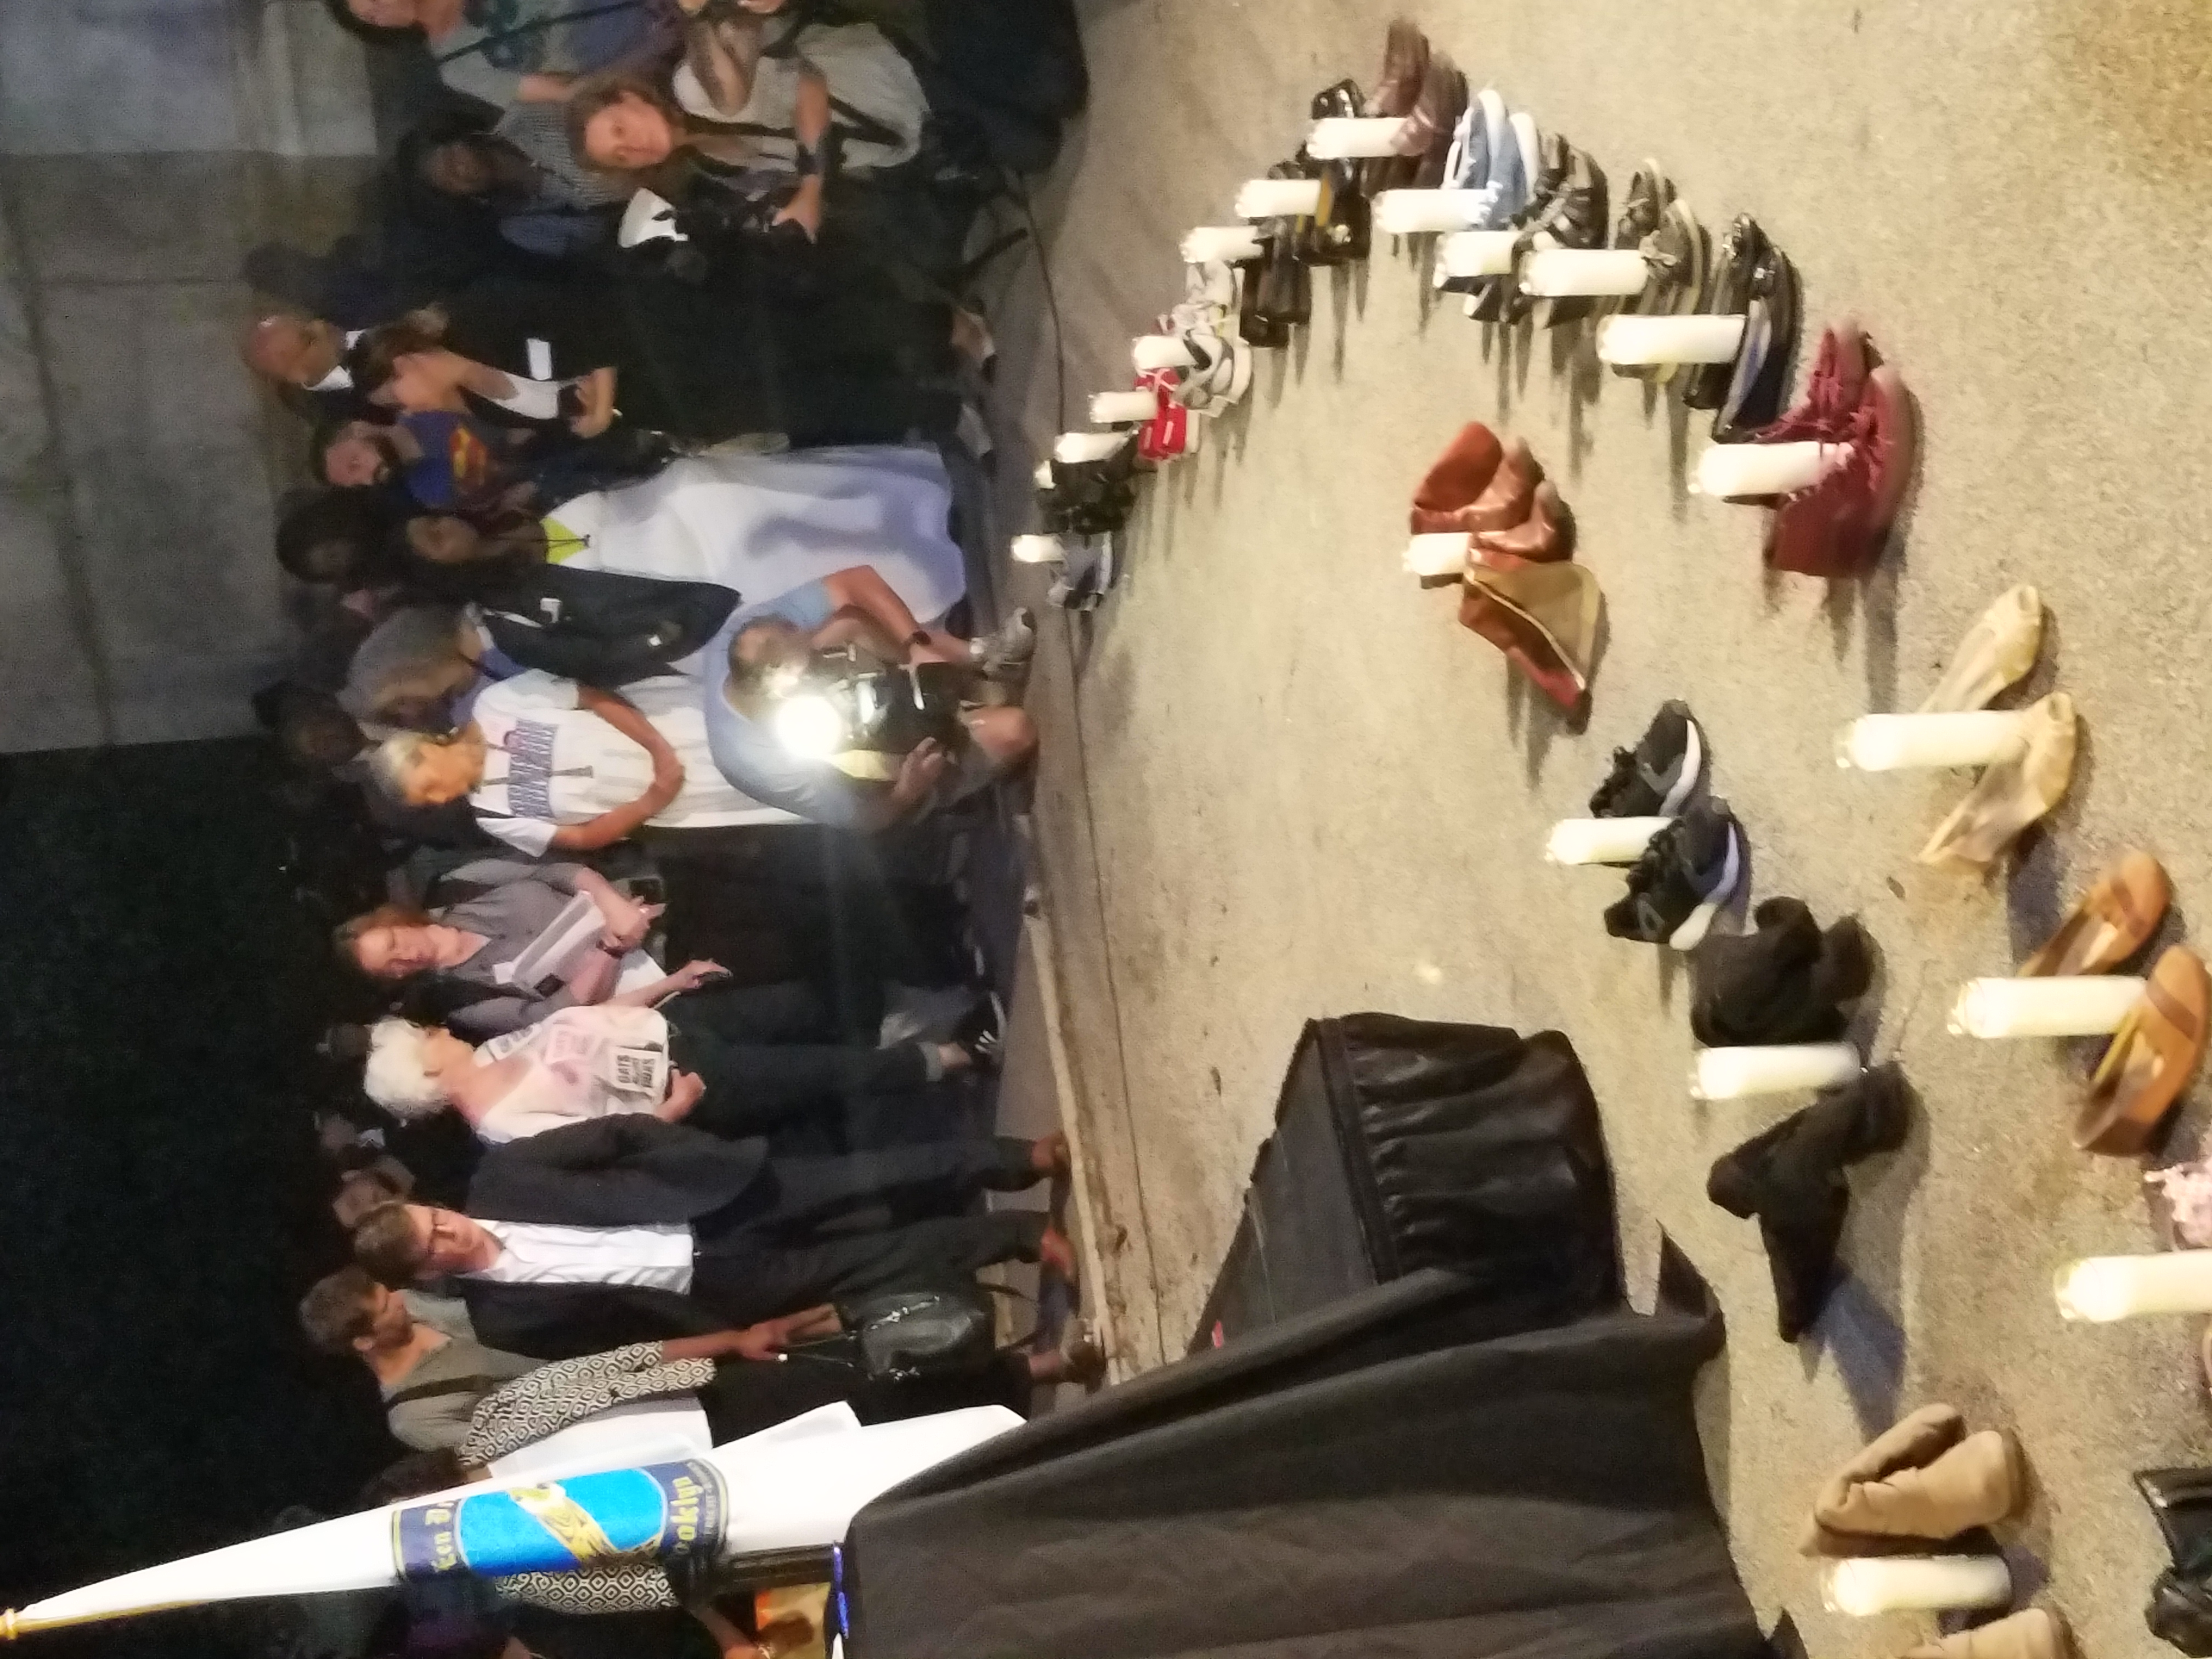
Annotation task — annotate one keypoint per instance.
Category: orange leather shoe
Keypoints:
(2154, 1054)
(2113, 921)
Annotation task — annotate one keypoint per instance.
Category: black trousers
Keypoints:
(752, 1087)
(768, 1253)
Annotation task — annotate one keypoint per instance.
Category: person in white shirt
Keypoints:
(624, 1228)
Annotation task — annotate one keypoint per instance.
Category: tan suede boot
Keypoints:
(1926, 1478)
(2032, 1633)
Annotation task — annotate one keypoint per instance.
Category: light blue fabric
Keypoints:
(746, 750)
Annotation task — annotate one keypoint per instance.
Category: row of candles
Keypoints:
(2101, 1289)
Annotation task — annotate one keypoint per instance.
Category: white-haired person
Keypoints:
(550, 765)
(625, 1056)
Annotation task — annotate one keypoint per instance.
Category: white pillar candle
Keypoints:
(1346, 138)
(1233, 243)
(1039, 549)
(1073, 446)
(1600, 840)
(1477, 252)
(1150, 351)
(2101, 1289)
(1567, 270)
(1776, 1068)
(1416, 212)
(2090, 1006)
(1895, 743)
(1866, 1585)
(1443, 554)
(1728, 470)
(1123, 407)
(1271, 198)
(1669, 339)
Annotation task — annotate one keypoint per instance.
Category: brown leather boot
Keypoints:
(1510, 494)
(2031, 1633)
(1547, 534)
(1925, 1479)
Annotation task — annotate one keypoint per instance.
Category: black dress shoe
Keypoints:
(2180, 1612)
(2181, 1503)
(1740, 251)
(1759, 380)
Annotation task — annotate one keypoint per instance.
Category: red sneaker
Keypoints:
(1838, 525)
(1831, 392)
(1170, 432)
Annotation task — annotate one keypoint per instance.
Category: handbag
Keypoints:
(897, 1336)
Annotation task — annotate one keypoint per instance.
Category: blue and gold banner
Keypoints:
(663, 1512)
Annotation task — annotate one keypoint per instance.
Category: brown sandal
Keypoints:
(2110, 923)
(2153, 1057)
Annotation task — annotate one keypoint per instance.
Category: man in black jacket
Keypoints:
(626, 1228)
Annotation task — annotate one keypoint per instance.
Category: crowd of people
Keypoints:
(640, 657)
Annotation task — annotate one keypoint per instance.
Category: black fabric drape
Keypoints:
(1400, 1475)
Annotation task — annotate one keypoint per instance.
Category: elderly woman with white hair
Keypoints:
(625, 1056)
(550, 765)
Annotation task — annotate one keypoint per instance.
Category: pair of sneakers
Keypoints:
(1693, 864)
(1220, 371)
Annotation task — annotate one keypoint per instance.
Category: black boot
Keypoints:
(1783, 983)
(1342, 232)
(1791, 1177)
(2181, 1503)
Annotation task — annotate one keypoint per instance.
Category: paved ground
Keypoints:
(1279, 781)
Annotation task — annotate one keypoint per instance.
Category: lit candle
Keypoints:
(1443, 554)
(1758, 469)
(1416, 212)
(1600, 840)
(1567, 271)
(1669, 339)
(1893, 743)
(1154, 351)
(2101, 1289)
(1123, 407)
(1477, 252)
(1073, 446)
(1346, 138)
(1039, 549)
(1776, 1068)
(1233, 243)
(1272, 198)
(1866, 1585)
(2091, 1006)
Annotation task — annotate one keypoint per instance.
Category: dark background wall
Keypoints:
(161, 1206)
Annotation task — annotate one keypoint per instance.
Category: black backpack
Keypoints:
(603, 627)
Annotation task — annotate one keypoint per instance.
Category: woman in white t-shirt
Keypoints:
(626, 1055)
(547, 763)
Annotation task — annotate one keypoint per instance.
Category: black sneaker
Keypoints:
(1642, 205)
(1653, 780)
(1685, 876)
(1740, 252)
(982, 1034)
(1499, 299)
(1573, 216)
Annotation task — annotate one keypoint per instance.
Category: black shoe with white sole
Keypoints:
(1655, 778)
(982, 1034)
(1687, 872)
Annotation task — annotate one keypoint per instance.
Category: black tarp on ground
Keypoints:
(1404, 1475)
(1403, 1143)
